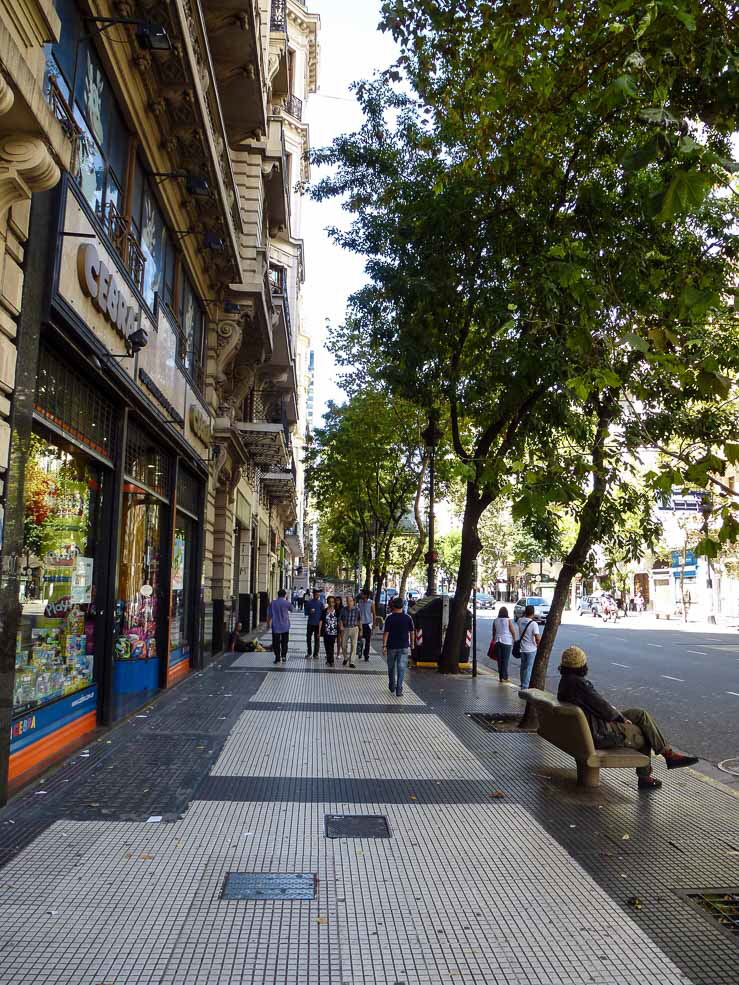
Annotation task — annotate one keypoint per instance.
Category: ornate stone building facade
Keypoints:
(150, 346)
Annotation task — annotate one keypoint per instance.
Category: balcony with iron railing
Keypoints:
(294, 106)
(265, 429)
(278, 18)
(279, 291)
(118, 230)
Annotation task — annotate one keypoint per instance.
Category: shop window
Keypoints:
(138, 609)
(139, 575)
(56, 642)
(182, 621)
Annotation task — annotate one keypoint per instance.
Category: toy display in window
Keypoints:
(55, 642)
(137, 607)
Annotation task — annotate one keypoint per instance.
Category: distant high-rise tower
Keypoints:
(311, 386)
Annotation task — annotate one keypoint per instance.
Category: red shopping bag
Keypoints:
(491, 652)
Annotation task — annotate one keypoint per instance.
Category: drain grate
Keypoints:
(357, 826)
(269, 885)
(498, 723)
(721, 906)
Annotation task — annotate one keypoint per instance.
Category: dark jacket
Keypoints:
(600, 713)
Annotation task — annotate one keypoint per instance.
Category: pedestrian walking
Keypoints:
(367, 613)
(313, 611)
(634, 728)
(278, 617)
(504, 633)
(528, 641)
(329, 629)
(397, 637)
(349, 622)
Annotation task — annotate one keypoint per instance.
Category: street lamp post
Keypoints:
(431, 438)
(706, 509)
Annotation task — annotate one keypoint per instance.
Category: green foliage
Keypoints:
(541, 194)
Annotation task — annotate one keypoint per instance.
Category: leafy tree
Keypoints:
(537, 207)
(365, 469)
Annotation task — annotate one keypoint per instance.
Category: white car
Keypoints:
(541, 608)
(587, 604)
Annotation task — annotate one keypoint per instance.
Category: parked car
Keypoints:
(541, 608)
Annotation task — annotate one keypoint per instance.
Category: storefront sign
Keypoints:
(98, 283)
(49, 718)
(155, 391)
(199, 424)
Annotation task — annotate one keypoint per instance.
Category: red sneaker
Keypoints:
(675, 761)
(649, 783)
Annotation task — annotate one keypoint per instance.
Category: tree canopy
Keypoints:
(543, 194)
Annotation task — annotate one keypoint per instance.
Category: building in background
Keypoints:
(152, 349)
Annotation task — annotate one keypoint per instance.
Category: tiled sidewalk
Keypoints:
(497, 870)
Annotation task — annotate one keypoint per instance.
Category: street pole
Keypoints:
(474, 624)
(707, 509)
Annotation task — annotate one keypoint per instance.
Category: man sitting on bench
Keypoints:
(634, 728)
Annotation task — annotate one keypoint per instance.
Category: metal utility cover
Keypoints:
(269, 885)
(720, 906)
(357, 826)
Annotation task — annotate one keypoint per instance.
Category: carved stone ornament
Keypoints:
(7, 96)
(273, 65)
(26, 166)
(219, 462)
(230, 333)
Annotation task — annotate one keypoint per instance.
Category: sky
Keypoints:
(351, 48)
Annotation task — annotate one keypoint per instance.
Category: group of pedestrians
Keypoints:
(346, 628)
(344, 625)
(519, 638)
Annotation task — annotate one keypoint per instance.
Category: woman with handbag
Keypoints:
(527, 643)
(504, 634)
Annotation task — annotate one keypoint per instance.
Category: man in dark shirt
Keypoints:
(633, 728)
(313, 610)
(397, 640)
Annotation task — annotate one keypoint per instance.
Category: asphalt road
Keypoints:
(688, 679)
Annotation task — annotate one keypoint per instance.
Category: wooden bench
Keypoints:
(566, 727)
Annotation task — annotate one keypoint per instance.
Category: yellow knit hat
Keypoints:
(573, 657)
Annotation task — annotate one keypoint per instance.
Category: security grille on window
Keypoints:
(188, 491)
(146, 462)
(67, 400)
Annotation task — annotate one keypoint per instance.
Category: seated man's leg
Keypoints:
(649, 729)
(634, 738)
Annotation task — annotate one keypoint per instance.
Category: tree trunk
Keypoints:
(475, 505)
(586, 537)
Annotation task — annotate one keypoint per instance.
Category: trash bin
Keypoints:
(430, 625)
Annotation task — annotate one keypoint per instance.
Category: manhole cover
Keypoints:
(718, 905)
(498, 723)
(357, 826)
(268, 885)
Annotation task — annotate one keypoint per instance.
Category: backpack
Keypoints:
(516, 651)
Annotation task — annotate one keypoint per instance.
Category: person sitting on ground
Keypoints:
(633, 728)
